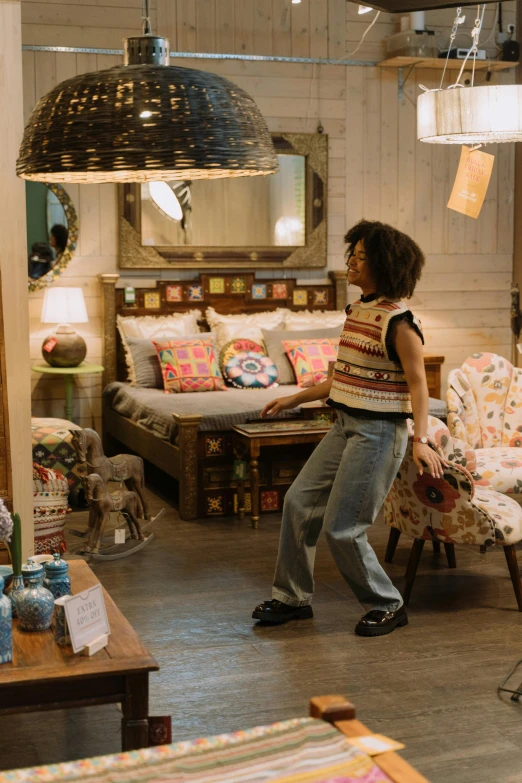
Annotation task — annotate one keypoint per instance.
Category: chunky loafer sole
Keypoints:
(276, 618)
(361, 629)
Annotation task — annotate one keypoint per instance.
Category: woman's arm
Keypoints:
(319, 392)
(408, 346)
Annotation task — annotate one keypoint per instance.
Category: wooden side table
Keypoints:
(68, 373)
(251, 438)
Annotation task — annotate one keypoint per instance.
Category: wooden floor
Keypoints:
(190, 595)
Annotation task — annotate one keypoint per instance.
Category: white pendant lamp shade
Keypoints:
(64, 306)
(470, 115)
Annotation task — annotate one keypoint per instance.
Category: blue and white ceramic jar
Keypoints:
(57, 579)
(17, 585)
(6, 630)
(34, 604)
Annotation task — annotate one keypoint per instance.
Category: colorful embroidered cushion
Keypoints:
(310, 359)
(189, 366)
(251, 370)
(238, 345)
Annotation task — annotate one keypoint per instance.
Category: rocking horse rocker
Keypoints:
(126, 469)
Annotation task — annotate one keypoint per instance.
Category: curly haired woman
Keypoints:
(378, 382)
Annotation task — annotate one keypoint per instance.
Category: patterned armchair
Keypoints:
(484, 401)
(454, 509)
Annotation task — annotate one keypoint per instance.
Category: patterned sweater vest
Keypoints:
(364, 376)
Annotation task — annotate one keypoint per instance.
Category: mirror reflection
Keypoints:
(236, 212)
(47, 229)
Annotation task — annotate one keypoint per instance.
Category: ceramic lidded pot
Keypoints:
(6, 631)
(57, 579)
(34, 604)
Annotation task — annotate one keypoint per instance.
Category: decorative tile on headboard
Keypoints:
(216, 285)
(195, 293)
(259, 291)
(320, 296)
(300, 297)
(279, 291)
(152, 300)
(174, 293)
(238, 285)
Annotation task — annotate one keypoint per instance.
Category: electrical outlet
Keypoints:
(511, 29)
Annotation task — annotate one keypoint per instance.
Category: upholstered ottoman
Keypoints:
(50, 504)
(52, 448)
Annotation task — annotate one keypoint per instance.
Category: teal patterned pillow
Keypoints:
(250, 370)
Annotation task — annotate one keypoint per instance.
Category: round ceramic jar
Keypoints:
(6, 632)
(57, 579)
(34, 604)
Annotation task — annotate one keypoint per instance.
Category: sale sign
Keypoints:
(471, 182)
(86, 617)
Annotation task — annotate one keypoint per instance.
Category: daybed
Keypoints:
(188, 435)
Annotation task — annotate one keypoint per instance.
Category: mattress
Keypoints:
(153, 409)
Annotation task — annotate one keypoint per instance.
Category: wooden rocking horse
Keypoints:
(127, 468)
(101, 505)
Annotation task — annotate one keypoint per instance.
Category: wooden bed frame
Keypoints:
(201, 462)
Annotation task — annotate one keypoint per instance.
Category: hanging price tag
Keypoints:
(129, 295)
(119, 535)
(50, 344)
(471, 182)
(239, 470)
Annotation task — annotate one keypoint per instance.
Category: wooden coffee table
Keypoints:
(45, 676)
(282, 432)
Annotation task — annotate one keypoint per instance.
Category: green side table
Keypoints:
(68, 373)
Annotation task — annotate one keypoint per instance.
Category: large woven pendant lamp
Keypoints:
(145, 121)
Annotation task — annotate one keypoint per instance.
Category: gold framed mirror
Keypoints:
(278, 221)
(52, 232)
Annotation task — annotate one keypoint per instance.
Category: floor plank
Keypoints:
(190, 594)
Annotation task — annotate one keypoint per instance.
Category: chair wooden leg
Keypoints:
(436, 547)
(450, 554)
(392, 544)
(411, 569)
(512, 563)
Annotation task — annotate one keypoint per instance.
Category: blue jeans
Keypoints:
(341, 488)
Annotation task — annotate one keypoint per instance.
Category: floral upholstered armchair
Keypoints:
(484, 401)
(454, 509)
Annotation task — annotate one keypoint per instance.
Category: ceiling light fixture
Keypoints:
(165, 200)
(145, 121)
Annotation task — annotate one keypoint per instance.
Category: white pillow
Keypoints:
(320, 319)
(154, 327)
(229, 327)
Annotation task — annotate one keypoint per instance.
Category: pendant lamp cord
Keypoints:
(458, 20)
(475, 34)
(145, 15)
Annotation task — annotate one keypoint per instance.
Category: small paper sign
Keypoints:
(239, 470)
(119, 535)
(86, 617)
(50, 344)
(471, 182)
(373, 744)
(130, 295)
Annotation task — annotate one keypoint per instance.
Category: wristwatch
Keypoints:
(421, 440)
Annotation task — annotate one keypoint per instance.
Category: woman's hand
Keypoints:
(278, 405)
(427, 459)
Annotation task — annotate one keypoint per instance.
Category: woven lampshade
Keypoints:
(142, 123)
(471, 115)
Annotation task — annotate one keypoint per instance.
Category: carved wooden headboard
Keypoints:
(227, 293)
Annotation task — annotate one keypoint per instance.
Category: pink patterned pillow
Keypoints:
(310, 359)
(189, 366)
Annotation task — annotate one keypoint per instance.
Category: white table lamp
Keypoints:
(63, 306)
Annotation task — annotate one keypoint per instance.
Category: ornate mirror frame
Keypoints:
(72, 240)
(314, 146)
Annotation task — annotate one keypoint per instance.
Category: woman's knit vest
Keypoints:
(364, 376)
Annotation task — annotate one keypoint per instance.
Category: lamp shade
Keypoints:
(64, 306)
(470, 115)
(143, 122)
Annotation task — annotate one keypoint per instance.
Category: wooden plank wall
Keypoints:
(377, 168)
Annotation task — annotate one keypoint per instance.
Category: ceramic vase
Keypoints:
(57, 579)
(6, 630)
(17, 586)
(34, 604)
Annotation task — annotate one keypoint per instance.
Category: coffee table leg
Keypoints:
(135, 724)
(254, 491)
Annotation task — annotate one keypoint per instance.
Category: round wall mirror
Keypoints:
(52, 232)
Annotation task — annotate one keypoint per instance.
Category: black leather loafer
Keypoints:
(277, 612)
(379, 623)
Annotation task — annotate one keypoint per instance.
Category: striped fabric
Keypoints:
(364, 375)
(302, 750)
